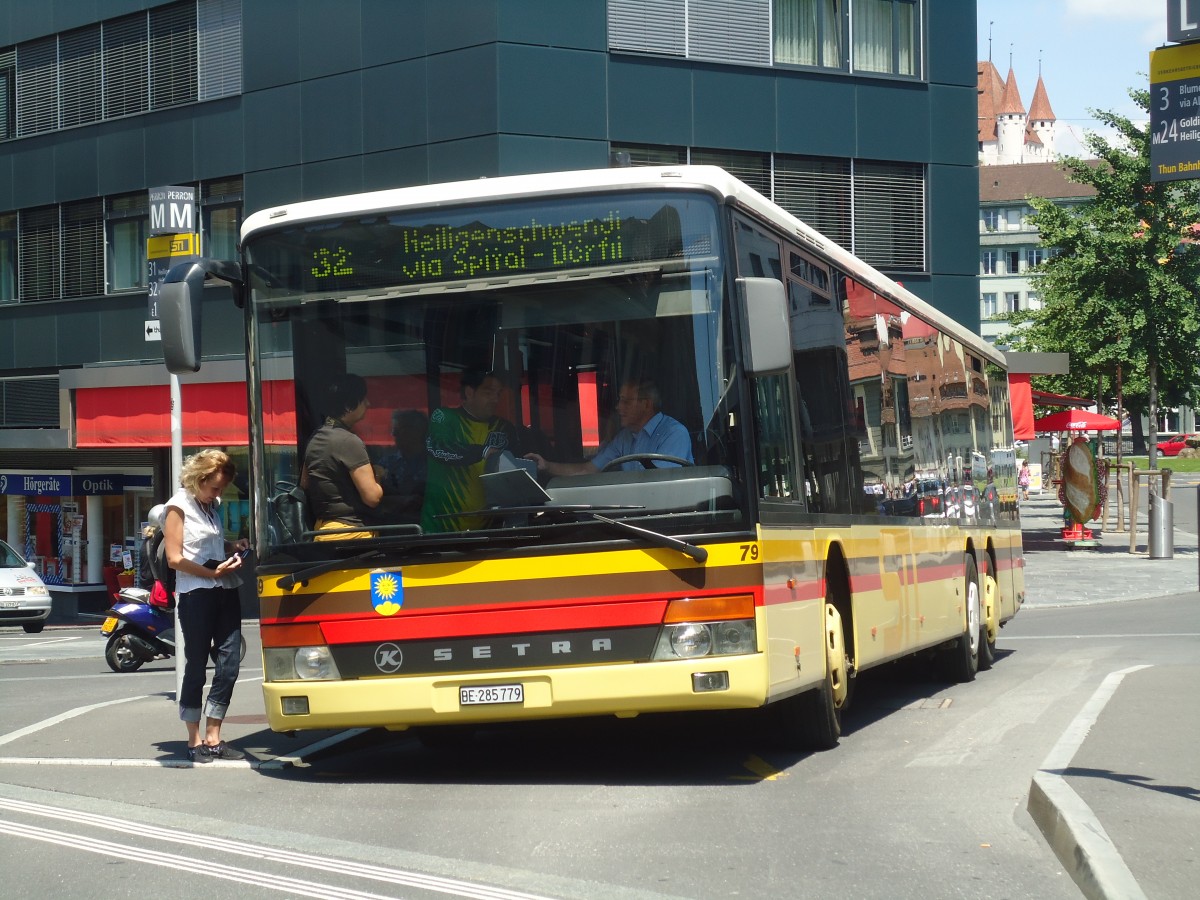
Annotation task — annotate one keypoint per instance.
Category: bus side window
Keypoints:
(775, 434)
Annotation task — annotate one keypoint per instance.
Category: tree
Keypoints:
(1120, 281)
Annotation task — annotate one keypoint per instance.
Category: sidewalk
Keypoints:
(1116, 798)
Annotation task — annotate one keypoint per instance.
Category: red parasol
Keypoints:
(1076, 420)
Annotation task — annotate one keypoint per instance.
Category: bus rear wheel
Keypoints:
(960, 660)
(813, 720)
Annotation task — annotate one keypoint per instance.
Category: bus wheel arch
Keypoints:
(813, 720)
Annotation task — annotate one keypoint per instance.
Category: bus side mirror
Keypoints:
(179, 300)
(179, 317)
(768, 332)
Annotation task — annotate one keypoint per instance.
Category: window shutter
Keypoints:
(220, 42)
(730, 31)
(37, 86)
(8, 93)
(648, 26)
(173, 54)
(126, 74)
(30, 402)
(38, 267)
(83, 248)
(79, 76)
(816, 191)
(889, 215)
(752, 168)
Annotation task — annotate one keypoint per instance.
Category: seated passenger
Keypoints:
(645, 428)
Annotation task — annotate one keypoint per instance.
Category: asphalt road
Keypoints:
(925, 797)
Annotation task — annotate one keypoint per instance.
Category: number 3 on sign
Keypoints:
(331, 261)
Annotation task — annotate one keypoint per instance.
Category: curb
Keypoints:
(1068, 824)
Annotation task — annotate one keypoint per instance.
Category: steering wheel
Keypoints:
(647, 460)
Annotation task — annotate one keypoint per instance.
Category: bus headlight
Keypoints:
(299, 664)
(691, 640)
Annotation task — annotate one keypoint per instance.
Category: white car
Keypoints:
(24, 599)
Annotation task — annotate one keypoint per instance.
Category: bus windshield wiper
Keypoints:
(289, 581)
(658, 539)
(655, 538)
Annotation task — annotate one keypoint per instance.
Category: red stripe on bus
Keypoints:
(485, 622)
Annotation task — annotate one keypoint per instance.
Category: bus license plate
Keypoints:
(479, 695)
(109, 624)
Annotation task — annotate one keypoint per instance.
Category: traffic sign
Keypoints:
(1175, 113)
(153, 330)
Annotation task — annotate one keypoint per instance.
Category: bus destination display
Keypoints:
(382, 251)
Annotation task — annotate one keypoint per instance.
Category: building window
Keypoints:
(1035, 257)
(127, 218)
(39, 253)
(173, 55)
(1012, 218)
(809, 33)
(1012, 261)
(80, 77)
(8, 94)
(126, 73)
(154, 59)
(988, 258)
(83, 248)
(8, 257)
(1012, 301)
(889, 214)
(752, 168)
(886, 36)
(221, 217)
(1033, 301)
(987, 305)
(991, 219)
(817, 191)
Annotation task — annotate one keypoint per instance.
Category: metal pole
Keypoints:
(176, 468)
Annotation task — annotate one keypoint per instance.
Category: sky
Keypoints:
(1091, 53)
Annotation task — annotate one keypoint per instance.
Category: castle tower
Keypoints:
(1010, 123)
(1042, 124)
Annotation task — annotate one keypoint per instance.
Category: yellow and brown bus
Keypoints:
(849, 497)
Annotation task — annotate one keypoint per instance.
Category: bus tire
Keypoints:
(813, 720)
(960, 661)
(989, 622)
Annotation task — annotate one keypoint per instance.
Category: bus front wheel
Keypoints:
(813, 720)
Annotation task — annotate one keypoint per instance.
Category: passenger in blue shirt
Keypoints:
(644, 429)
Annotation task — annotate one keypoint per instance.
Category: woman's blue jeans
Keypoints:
(209, 617)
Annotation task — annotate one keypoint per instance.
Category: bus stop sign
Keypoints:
(1175, 113)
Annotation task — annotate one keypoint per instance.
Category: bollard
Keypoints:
(1161, 542)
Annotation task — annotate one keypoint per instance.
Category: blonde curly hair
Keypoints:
(201, 466)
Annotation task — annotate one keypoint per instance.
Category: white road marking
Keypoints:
(206, 866)
(62, 717)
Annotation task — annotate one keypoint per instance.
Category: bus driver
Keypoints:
(645, 428)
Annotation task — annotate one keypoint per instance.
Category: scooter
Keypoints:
(139, 632)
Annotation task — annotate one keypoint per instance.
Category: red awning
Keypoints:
(214, 414)
(1045, 398)
(1022, 406)
(1077, 420)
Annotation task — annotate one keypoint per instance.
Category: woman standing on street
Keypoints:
(206, 582)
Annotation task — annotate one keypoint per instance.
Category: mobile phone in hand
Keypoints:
(242, 554)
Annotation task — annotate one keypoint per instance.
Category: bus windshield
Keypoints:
(524, 366)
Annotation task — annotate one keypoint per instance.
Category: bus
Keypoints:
(849, 498)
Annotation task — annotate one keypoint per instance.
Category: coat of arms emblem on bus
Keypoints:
(387, 593)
